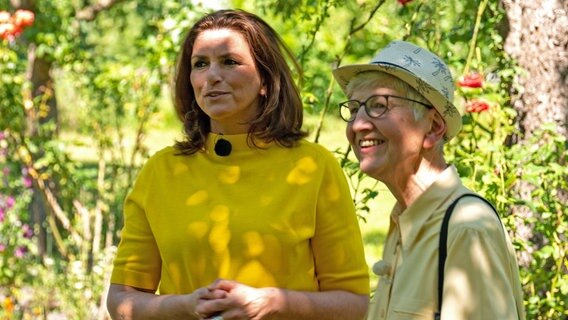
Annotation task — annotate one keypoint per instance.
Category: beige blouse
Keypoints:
(481, 273)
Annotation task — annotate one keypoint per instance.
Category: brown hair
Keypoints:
(280, 113)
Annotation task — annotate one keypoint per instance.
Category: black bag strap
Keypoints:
(442, 251)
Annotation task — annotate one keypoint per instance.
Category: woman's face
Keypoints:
(225, 80)
(388, 148)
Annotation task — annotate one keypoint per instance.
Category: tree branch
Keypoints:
(352, 30)
(89, 13)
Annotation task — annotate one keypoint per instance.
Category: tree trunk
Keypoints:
(42, 86)
(537, 38)
(43, 89)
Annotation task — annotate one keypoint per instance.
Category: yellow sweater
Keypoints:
(280, 217)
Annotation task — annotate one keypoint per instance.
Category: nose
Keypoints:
(362, 121)
(214, 73)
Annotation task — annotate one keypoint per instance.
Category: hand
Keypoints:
(240, 303)
(205, 294)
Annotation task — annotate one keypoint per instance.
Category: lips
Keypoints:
(213, 94)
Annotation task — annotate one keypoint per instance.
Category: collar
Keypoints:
(425, 206)
(239, 143)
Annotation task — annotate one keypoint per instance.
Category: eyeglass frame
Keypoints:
(364, 104)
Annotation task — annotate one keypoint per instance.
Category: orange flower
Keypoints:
(476, 105)
(472, 80)
(8, 305)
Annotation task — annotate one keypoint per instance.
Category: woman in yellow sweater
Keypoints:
(244, 218)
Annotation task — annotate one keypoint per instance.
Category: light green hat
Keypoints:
(421, 69)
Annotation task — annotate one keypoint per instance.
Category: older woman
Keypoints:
(399, 115)
(243, 219)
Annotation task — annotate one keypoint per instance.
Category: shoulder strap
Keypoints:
(442, 250)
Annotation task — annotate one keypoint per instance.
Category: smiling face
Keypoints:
(225, 80)
(389, 147)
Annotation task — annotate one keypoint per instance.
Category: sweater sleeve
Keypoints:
(137, 262)
(337, 244)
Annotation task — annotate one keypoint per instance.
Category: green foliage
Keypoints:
(363, 193)
(12, 72)
(541, 164)
(107, 96)
(16, 246)
(518, 179)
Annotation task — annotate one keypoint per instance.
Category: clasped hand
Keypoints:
(235, 301)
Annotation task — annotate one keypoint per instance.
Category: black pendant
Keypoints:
(223, 147)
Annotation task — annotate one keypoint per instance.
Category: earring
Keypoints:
(263, 92)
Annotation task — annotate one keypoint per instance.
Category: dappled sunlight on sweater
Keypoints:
(302, 172)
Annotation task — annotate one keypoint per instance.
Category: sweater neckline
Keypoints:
(239, 143)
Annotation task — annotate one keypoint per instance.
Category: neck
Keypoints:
(408, 186)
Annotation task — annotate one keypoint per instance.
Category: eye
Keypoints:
(377, 104)
(231, 62)
(198, 64)
(353, 106)
(348, 110)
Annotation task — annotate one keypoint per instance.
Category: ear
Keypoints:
(263, 91)
(437, 130)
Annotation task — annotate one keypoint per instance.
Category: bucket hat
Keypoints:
(421, 69)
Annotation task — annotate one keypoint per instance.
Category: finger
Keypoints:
(206, 294)
(208, 308)
(223, 284)
(214, 294)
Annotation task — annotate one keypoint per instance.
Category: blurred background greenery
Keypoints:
(85, 100)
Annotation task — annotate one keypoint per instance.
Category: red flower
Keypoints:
(476, 105)
(23, 18)
(403, 2)
(12, 26)
(472, 80)
(7, 31)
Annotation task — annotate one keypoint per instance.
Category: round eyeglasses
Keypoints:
(375, 106)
